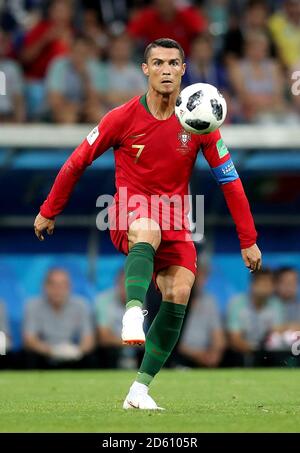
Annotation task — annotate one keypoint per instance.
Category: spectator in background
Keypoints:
(3, 319)
(4, 327)
(218, 12)
(203, 341)
(287, 287)
(251, 318)
(12, 104)
(47, 40)
(124, 79)
(281, 340)
(76, 84)
(254, 19)
(57, 328)
(285, 29)
(115, 13)
(19, 14)
(258, 83)
(202, 66)
(109, 313)
(294, 76)
(92, 28)
(165, 19)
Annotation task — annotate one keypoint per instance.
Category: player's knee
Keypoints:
(153, 238)
(179, 294)
(145, 230)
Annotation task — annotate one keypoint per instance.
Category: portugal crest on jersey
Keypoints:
(184, 137)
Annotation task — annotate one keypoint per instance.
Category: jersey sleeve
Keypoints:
(224, 172)
(102, 137)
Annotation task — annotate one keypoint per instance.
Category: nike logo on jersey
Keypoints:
(138, 135)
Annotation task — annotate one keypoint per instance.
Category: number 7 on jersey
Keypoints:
(140, 150)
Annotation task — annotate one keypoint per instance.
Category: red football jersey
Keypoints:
(152, 157)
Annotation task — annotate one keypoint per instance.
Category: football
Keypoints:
(200, 108)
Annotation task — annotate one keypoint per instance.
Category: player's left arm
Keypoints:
(224, 172)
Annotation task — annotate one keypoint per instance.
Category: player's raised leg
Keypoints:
(144, 237)
(175, 284)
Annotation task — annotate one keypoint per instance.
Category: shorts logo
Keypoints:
(93, 135)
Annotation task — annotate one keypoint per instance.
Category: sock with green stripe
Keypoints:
(138, 273)
(161, 340)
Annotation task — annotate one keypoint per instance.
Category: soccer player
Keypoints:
(154, 156)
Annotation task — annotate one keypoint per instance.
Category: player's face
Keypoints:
(164, 69)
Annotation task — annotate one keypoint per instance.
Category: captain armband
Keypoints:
(225, 172)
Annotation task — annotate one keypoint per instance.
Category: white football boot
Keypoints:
(132, 330)
(138, 398)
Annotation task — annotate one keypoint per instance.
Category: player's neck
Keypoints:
(161, 106)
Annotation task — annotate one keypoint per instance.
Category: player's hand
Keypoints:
(252, 258)
(41, 224)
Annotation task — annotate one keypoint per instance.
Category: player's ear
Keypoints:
(145, 69)
(183, 68)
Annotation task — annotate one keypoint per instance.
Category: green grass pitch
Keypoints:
(195, 401)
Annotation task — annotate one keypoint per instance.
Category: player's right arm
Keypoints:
(101, 138)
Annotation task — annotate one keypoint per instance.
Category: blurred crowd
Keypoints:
(71, 61)
(260, 327)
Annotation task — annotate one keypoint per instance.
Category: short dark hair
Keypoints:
(261, 273)
(284, 270)
(167, 43)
